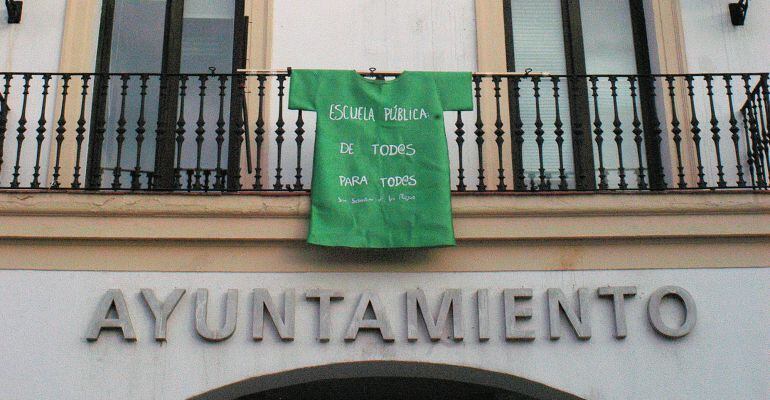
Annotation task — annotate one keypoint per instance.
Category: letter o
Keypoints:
(690, 312)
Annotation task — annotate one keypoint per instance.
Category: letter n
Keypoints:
(580, 322)
(263, 302)
(450, 300)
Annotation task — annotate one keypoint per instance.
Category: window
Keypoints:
(575, 38)
(152, 40)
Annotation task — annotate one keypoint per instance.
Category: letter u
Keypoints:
(201, 316)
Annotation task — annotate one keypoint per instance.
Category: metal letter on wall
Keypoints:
(325, 298)
(690, 312)
(263, 302)
(450, 300)
(162, 311)
(618, 295)
(581, 323)
(380, 321)
(514, 313)
(122, 321)
(482, 305)
(201, 316)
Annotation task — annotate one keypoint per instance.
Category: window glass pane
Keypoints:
(608, 36)
(135, 48)
(207, 39)
(207, 42)
(538, 42)
(609, 49)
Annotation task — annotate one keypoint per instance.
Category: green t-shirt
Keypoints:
(381, 166)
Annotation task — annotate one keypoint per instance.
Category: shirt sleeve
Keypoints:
(455, 90)
(303, 88)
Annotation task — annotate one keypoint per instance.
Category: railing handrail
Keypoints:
(620, 117)
(391, 73)
(755, 93)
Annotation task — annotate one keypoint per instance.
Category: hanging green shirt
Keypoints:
(381, 166)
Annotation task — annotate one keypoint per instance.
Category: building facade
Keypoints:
(610, 202)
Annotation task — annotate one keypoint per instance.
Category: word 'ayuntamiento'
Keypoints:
(515, 309)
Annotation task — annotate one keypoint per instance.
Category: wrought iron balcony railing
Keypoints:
(528, 133)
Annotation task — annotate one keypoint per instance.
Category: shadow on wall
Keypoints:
(376, 380)
(390, 257)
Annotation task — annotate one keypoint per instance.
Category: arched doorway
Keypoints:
(386, 380)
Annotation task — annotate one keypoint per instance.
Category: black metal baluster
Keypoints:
(279, 131)
(755, 155)
(237, 133)
(598, 132)
(121, 134)
(136, 174)
(638, 138)
(761, 109)
(559, 132)
(517, 136)
(95, 172)
(200, 131)
(759, 149)
(677, 131)
(299, 139)
(655, 141)
(618, 131)
(696, 132)
(60, 130)
(190, 174)
(749, 154)
(40, 133)
(460, 133)
(4, 109)
(715, 131)
(220, 131)
(734, 130)
(259, 133)
(580, 122)
(180, 131)
(499, 140)
(21, 130)
(482, 187)
(80, 130)
(206, 179)
(539, 132)
(766, 115)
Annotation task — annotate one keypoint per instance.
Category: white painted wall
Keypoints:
(714, 45)
(32, 46)
(387, 35)
(46, 315)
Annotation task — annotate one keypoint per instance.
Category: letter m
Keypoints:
(450, 300)
(263, 302)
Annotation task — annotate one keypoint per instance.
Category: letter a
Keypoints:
(122, 321)
(380, 321)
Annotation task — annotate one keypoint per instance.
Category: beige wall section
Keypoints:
(78, 55)
(261, 233)
(259, 56)
(490, 36)
(671, 58)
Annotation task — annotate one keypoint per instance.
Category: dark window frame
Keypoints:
(580, 116)
(168, 101)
